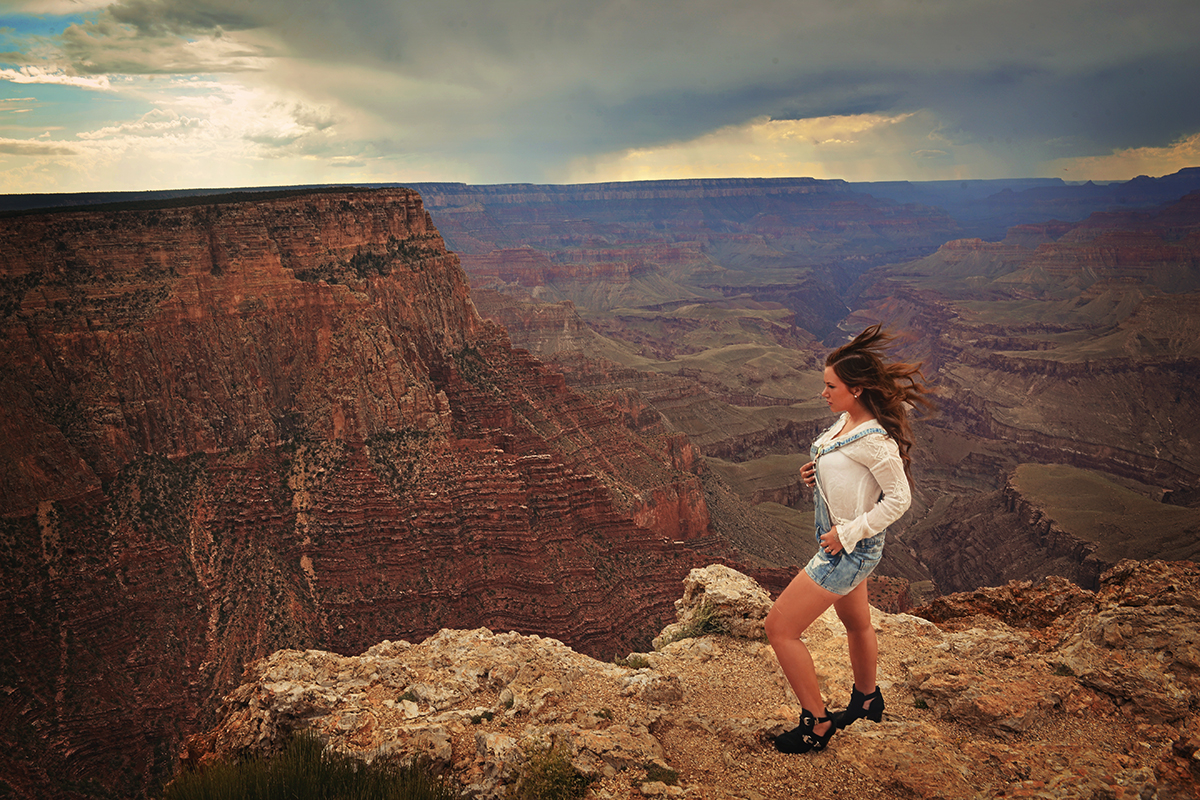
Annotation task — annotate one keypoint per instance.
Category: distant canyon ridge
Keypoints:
(240, 422)
(1069, 344)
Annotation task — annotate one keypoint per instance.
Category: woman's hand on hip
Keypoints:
(830, 542)
(808, 473)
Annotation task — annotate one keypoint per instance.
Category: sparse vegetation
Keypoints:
(663, 774)
(306, 769)
(703, 623)
(397, 457)
(155, 494)
(13, 290)
(473, 367)
(377, 261)
(548, 774)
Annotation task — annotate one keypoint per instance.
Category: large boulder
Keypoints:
(718, 599)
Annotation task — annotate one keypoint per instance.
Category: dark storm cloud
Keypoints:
(152, 18)
(518, 80)
(146, 37)
(1151, 100)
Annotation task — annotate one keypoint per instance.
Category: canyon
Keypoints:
(311, 419)
(1065, 341)
(275, 420)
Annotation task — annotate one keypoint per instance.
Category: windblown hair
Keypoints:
(887, 389)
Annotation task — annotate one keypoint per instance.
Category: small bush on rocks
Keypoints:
(657, 772)
(704, 622)
(305, 770)
(548, 774)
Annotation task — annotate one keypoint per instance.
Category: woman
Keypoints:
(860, 474)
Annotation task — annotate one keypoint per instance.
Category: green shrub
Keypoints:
(703, 623)
(548, 774)
(305, 770)
(657, 772)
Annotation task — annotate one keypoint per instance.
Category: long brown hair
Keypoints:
(887, 389)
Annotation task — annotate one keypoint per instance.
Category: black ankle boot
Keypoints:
(802, 739)
(858, 709)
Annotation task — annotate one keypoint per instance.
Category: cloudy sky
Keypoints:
(154, 94)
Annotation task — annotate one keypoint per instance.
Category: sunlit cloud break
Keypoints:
(1133, 161)
(31, 74)
(155, 123)
(854, 147)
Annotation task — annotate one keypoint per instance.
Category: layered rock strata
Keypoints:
(1079, 350)
(237, 424)
(643, 243)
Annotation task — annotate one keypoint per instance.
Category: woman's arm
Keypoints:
(881, 456)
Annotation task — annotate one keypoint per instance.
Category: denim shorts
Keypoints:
(841, 573)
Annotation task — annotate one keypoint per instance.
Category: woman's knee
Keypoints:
(856, 623)
(771, 624)
(777, 626)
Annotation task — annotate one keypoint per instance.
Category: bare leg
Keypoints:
(795, 609)
(855, 613)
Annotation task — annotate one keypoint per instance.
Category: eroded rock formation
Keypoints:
(238, 424)
(1032, 690)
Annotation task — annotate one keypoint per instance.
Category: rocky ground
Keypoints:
(1028, 690)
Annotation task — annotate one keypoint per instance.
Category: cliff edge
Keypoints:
(1027, 690)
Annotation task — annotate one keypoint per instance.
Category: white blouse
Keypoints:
(854, 476)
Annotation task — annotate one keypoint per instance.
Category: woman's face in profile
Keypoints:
(836, 394)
